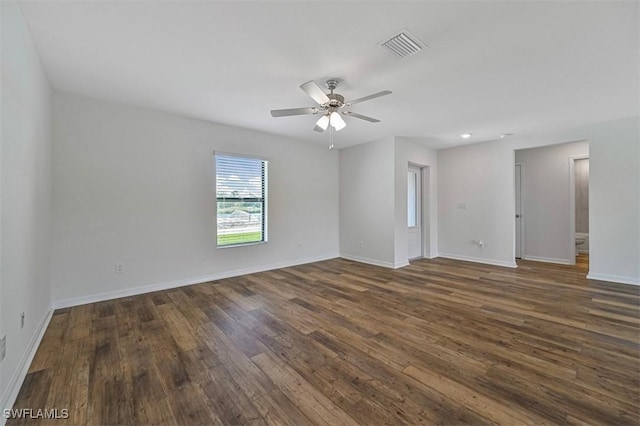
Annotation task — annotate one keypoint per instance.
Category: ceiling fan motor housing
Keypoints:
(331, 84)
(335, 100)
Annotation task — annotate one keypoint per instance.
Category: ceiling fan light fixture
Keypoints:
(323, 122)
(336, 121)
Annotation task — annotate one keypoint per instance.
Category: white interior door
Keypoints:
(518, 175)
(414, 212)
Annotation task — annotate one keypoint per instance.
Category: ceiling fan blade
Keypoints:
(360, 116)
(316, 93)
(366, 98)
(293, 111)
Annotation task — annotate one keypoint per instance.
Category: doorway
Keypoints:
(414, 212)
(579, 206)
(544, 197)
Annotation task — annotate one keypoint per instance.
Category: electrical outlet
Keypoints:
(21, 320)
(119, 268)
(3, 347)
(361, 244)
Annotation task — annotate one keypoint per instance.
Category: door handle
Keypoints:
(517, 216)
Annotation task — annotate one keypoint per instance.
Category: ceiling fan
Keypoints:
(330, 106)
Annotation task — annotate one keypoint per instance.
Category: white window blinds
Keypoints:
(241, 196)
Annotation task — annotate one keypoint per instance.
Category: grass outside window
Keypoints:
(240, 238)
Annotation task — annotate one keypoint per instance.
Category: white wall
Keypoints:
(476, 201)
(366, 202)
(614, 202)
(546, 195)
(482, 176)
(373, 200)
(25, 152)
(136, 186)
(408, 150)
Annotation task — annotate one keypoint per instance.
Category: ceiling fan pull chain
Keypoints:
(331, 147)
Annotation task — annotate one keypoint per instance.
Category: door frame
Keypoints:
(420, 207)
(522, 215)
(426, 196)
(572, 205)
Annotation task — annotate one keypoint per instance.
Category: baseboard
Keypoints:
(134, 291)
(479, 260)
(15, 383)
(374, 262)
(547, 260)
(426, 256)
(613, 278)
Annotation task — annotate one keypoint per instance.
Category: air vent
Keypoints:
(402, 44)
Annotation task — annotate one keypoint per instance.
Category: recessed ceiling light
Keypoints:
(465, 135)
(505, 135)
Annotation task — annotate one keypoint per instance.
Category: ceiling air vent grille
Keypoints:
(402, 44)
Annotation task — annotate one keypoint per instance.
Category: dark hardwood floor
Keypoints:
(342, 343)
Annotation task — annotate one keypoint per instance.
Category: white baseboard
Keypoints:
(15, 383)
(613, 278)
(100, 297)
(547, 259)
(374, 262)
(426, 256)
(479, 260)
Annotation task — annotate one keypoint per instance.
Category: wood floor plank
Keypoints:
(70, 379)
(314, 404)
(276, 409)
(249, 378)
(108, 398)
(339, 342)
(487, 407)
(229, 402)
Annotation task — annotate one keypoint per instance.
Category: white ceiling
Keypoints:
(489, 68)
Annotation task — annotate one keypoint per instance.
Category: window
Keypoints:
(241, 199)
(412, 199)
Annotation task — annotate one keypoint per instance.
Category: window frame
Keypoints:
(263, 199)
